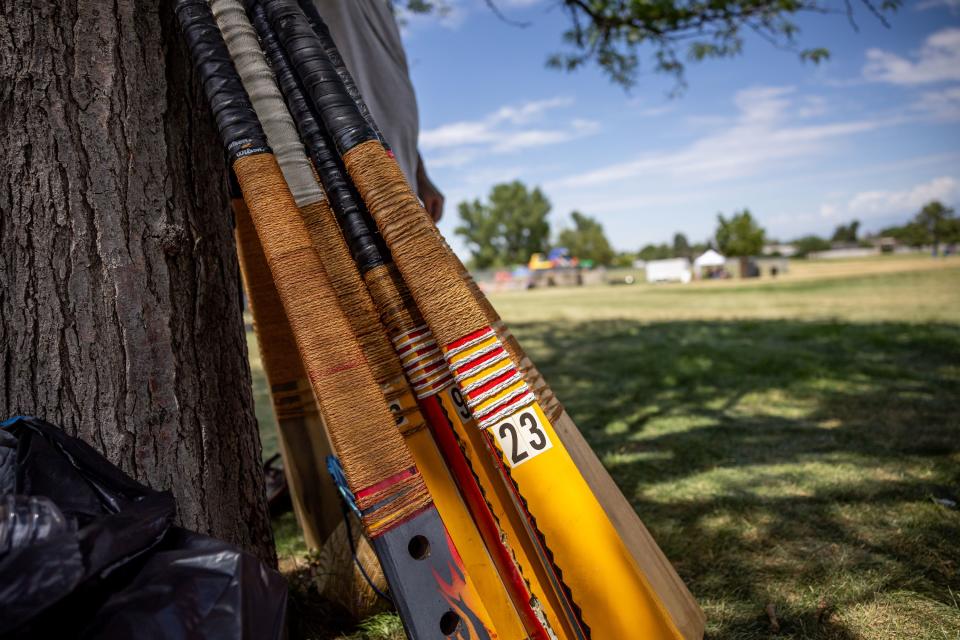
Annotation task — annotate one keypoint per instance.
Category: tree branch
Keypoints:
(499, 13)
(612, 32)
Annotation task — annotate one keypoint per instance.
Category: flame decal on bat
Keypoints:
(454, 592)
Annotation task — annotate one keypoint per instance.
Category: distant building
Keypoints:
(886, 244)
(779, 248)
(772, 266)
(673, 270)
(757, 266)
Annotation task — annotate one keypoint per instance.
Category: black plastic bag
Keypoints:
(119, 568)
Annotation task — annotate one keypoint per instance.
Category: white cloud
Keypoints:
(490, 128)
(541, 137)
(943, 106)
(645, 110)
(882, 203)
(653, 112)
(812, 106)
(528, 111)
(887, 204)
(952, 5)
(762, 135)
(457, 134)
(452, 14)
(938, 60)
(531, 138)
(505, 130)
(451, 160)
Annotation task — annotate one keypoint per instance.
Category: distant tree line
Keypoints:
(738, 235)
(934, 225)
(513, 224)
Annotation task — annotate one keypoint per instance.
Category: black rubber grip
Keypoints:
(330, 47)
(236, 120)
(319, 78)
(366, 244)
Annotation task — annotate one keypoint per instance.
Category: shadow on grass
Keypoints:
(778, 462)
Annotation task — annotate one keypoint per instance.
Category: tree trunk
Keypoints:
(120, 307)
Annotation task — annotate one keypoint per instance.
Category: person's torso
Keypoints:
(368, 38)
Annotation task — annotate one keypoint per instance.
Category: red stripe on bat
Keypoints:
(423, 390)
(469, 338)
(430, 348)
(410, 337)
(383, 484)
(492, 383)
(418, 371)
(464, 368)
(480, 416)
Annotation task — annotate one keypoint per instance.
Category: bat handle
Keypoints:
(236, 120)
(366, 245)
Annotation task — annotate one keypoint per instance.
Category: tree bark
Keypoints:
(120, 304)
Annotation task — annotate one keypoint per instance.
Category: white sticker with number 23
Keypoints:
(521, 437)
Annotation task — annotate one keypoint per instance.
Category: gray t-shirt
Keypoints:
(368, 38)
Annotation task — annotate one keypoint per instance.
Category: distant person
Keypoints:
(368, 38)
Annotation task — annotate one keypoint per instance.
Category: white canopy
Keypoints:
(710, 258)
(671, 270)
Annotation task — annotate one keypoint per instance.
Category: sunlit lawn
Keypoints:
(792, 443)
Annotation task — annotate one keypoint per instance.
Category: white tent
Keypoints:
(709, 258)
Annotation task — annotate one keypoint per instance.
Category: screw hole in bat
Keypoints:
(449, 622)
(419, 547)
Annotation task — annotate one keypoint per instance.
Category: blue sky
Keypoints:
(872, 134)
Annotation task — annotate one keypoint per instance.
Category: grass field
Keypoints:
(793, 445)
